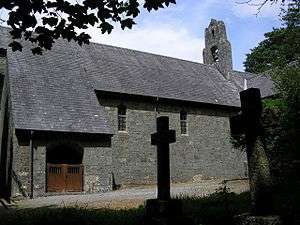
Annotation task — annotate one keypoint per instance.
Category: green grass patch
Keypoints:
(218, 208)
(73, 216)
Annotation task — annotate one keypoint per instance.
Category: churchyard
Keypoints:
(156, 206)
(127, 206)
(118, 136)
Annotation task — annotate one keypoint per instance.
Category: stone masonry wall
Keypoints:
(97, 158)
(216, 38)
(21, 170)
(206, 152)
(97, 162)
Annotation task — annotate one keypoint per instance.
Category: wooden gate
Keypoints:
(64, 178)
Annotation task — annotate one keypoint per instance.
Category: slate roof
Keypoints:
(51, 93)
(264, 83)
(261, 81)
(133, 72)
(56, 91)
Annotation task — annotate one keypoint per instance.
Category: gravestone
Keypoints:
(249, 123)
(163, 210)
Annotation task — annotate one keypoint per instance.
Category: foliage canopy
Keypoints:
(281, 46)
(43, 21)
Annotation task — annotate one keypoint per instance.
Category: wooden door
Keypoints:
(64, 178)
(74, 178)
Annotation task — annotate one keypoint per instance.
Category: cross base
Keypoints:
(164, 212)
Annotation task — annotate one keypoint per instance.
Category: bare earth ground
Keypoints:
(132, 197)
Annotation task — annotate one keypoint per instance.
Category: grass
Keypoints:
(72, 216)
(218, 208)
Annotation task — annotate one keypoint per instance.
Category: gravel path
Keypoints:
(131, 197)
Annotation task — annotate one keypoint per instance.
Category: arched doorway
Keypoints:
(64, 167)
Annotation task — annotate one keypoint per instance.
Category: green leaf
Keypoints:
(127, 23)
(37, 51)
(106, 27)
(15, 46)
(51, 21)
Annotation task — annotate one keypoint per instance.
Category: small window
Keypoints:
(122, 118)
(215, 53)
(183, 122)
(213, 32)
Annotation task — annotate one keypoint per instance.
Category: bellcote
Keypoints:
(217, 50)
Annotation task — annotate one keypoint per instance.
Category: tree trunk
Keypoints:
(259, 176)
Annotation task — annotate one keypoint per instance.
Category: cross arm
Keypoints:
(161, 137)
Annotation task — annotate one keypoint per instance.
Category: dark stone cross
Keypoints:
(249, 123)
(164, 210)
(162, 139)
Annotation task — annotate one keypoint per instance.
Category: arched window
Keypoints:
(215, 53)
(64, 153)
(122, 118)
(183, 122)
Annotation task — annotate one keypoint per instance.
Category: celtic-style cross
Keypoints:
(162, 139)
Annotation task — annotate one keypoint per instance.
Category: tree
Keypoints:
(279, 55)
(63, 19)
(281, 46)
(287, 82)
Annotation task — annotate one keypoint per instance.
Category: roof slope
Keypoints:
(50, 93)
(261, 81)
(264, 83)
(133, 72)
(55, 91)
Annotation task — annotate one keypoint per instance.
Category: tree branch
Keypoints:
(259, 5)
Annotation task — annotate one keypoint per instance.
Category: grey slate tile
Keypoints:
(55, 91)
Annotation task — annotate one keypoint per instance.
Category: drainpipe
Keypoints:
(31, 163)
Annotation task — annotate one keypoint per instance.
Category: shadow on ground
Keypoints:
(72, 216)
(218, 208)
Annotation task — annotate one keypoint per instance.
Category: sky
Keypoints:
(178, 31)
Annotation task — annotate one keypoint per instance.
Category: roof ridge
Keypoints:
(139, 51)
(148, 53)
(157, 68)
(155, 54)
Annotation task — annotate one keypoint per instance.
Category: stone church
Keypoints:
(80, 119)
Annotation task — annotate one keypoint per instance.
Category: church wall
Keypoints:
(134, 158)
(96, 160)
(20, 169)
(206, 152)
